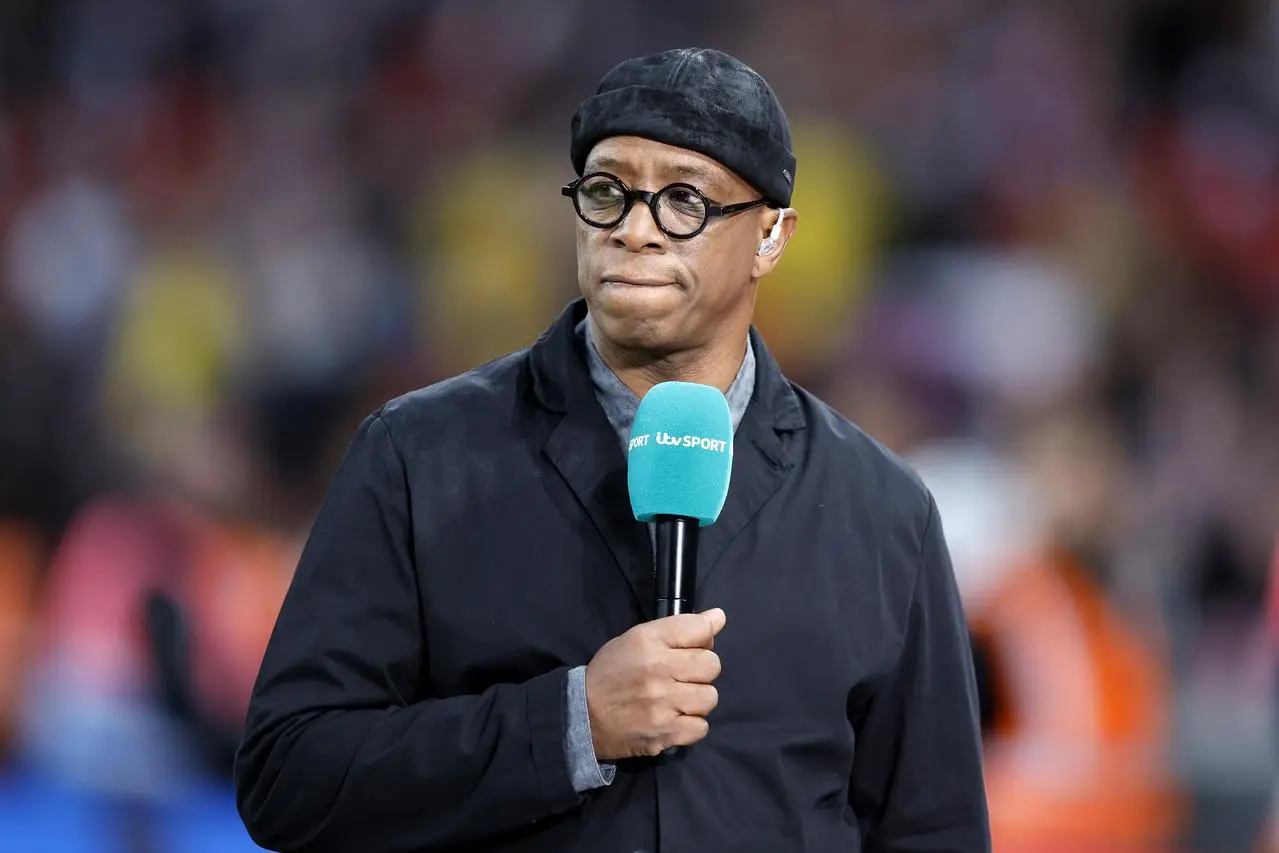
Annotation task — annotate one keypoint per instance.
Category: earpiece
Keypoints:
(769, 244)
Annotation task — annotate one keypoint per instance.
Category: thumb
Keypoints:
(717, 618)
(689, 630)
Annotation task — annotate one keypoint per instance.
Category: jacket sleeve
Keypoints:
(339, 751)
(917, 775)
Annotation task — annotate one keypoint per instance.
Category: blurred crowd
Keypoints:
(1038, 256)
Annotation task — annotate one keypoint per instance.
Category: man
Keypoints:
(466, 661)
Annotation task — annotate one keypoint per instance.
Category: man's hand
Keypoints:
(651, 688)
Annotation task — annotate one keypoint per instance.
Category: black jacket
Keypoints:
(477, 542)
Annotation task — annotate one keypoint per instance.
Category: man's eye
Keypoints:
(685, 200)
(603, 192)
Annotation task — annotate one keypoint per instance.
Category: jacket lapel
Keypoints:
(589, 459)
(759, 469)
(761, 459)
(584, 449)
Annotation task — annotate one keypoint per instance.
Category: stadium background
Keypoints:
(1038, 256)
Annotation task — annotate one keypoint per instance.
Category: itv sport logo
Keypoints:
(665, 439)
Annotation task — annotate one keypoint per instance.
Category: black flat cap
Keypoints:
(695, 98)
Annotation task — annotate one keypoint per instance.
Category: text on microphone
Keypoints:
(715, 445)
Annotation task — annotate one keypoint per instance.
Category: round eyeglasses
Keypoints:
(680, 210)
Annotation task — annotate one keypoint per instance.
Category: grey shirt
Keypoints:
(620, 404)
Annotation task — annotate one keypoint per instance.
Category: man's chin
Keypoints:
(631, 325)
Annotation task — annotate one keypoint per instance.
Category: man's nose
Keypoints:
(638, 229)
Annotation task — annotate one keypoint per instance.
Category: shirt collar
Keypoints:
(620, 403)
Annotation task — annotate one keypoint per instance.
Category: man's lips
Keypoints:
(637, 281)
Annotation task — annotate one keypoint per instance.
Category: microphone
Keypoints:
(679, 460)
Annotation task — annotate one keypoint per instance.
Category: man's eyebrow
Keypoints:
(680, 170)
(692, 170)
(605, 164)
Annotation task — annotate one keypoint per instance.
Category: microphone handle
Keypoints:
(676, 564)
(676, 570)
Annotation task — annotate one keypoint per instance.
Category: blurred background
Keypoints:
(1038, 256)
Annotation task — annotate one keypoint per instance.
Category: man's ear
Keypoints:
(774, 241)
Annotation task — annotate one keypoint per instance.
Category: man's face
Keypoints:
(654, 293)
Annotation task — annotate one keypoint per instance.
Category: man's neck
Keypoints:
(717, 364)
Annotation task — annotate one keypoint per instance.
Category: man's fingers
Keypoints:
(695, 666)
(695, 700)
(688, 731)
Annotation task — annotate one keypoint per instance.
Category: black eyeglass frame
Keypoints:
(630, 196)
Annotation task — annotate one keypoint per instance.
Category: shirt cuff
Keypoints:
(585, 772)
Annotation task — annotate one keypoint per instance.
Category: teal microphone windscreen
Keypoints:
(680, 455)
